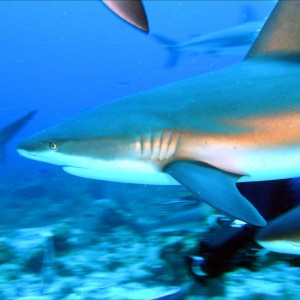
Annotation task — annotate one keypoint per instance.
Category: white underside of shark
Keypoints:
(281, 163)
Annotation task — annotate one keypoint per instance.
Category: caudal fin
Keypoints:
(10, 130)
(132, 11)
(172, 47)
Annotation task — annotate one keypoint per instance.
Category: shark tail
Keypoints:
(132, 12)
(10, 130)
(172, 47)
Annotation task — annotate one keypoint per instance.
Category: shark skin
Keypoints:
(131, 11)
(7, 132)
(238, 124)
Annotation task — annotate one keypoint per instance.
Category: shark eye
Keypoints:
(53, 146)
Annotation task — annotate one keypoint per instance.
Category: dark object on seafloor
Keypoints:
(226, 247)
(231, 244)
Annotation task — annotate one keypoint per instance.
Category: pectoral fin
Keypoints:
(217, 188)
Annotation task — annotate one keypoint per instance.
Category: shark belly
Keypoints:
(250, 164)
(264, 153)
(270, 164)
(124, 171)
(254, 164)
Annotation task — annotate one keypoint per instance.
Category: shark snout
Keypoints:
(24, 151)
(27, 149)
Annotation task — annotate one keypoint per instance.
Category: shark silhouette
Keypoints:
(282, 234)
(230, 41)
(8, 131)
(206, 133)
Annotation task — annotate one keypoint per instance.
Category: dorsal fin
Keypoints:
(281, 33)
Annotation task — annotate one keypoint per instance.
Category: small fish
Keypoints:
(132, 11)
(207, 133)
(179, 293)
(7, 132)
(182, 201)
(282, 234)
(230, 41)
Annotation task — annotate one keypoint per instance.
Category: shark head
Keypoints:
(114, 158)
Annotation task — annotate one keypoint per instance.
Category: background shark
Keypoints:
(230, 41)
(206, 133)
(186, 219)
(282, 234)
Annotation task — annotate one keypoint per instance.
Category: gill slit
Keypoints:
(142, 145)
(159, 145)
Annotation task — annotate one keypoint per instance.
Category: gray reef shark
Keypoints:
(230, 41)
(206, 133)
(8, 131)
(282, 234)
(132, 11)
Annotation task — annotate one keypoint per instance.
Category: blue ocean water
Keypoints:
(64, 57)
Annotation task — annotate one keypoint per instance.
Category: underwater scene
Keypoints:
(149, 150)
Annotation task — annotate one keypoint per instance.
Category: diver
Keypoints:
(231, 244)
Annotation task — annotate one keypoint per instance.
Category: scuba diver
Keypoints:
(231, 244)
